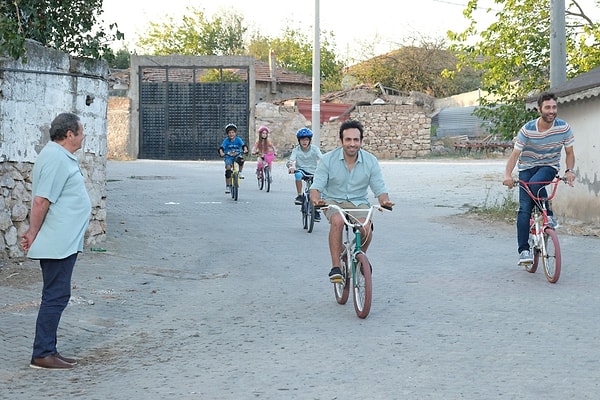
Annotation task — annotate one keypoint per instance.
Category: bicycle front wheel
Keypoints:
(304, 209)
(267, 178)
(363, 286)
(342, 289)
(261, 179)
(311, 216)
(235, 185)
(551, 258)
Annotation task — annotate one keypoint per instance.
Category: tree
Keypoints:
(196, 35)
(416, 68)
(513, 55)
(71, 26)
(294, 51)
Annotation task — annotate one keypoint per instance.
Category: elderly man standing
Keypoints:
(58, 220)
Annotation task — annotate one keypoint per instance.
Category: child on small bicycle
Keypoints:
(232, 149)
(305, 156)
(264, 149)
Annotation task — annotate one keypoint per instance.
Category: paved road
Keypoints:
(200, 297)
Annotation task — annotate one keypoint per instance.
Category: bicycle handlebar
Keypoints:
(554, 182)
(344, 213)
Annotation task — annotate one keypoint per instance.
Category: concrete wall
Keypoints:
(33, 93)
(582, 202)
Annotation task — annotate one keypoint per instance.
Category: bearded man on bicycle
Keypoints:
(343, 178)
(537, 149)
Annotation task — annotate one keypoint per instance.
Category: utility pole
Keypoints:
(558, 43)
(316, 81)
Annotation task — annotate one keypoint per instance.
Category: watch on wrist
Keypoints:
(569, 170)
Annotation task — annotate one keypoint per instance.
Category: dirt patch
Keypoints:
(20, 273)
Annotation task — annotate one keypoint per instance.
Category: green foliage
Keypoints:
(294, 52)
(417, 68)
(217, 75)
(67, 25)
(196, 35)
(119, 60)
(513, 56)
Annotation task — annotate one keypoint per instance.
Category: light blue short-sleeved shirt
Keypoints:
(335, 182)
(58, 178)
(306, 160)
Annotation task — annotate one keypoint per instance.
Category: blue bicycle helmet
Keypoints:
(304, 132)
(230, 127)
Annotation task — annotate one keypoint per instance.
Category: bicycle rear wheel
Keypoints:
(551, 258)
(531, 268)
(342, 290)
(363, 287)
(267, 178)
(235, 185)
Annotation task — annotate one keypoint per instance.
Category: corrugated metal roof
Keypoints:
(582, 86)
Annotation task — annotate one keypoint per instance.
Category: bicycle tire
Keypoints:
(267, 178)
(304, 209)
(363, 286)
(261, 179)
(551, 257)
(311, 216)
(235, 184)
(531, 268)
(342, 290)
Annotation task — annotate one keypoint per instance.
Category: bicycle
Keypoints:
(307, 208)
(235, 176)
(263, 175)
(354, 264)
(543, 240)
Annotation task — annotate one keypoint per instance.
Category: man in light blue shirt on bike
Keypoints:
(343, 178)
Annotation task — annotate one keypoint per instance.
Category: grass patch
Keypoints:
(498, 209)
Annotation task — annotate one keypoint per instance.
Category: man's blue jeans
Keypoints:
(56, 293)
(526, 203)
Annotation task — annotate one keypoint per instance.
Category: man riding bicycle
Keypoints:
(343, 177)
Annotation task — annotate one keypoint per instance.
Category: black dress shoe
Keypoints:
(50, 362)
(66, 359)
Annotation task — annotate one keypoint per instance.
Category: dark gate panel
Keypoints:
(182, 118)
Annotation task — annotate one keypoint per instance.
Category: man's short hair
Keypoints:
(350, 124)
(62, 124)
(545, 96)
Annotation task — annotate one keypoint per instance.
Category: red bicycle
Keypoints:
(543, 240)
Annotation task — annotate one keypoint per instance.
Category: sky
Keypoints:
(356, 24)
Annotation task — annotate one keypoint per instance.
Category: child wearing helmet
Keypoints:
(264, 149)
(305, 156)
(232, 149)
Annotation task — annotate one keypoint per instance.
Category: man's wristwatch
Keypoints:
(569, 170)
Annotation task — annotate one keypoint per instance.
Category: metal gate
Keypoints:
(184, 110)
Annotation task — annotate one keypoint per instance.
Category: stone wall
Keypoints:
(391, 131)
(117, 128)
(33, 93)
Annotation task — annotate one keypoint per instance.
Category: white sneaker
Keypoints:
(552, 223)
(525, 257)
(227, 189)
(241, 176)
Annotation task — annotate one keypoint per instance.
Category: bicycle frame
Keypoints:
(354, 262)
(235, 176)
(541, 236)
(307, 208)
